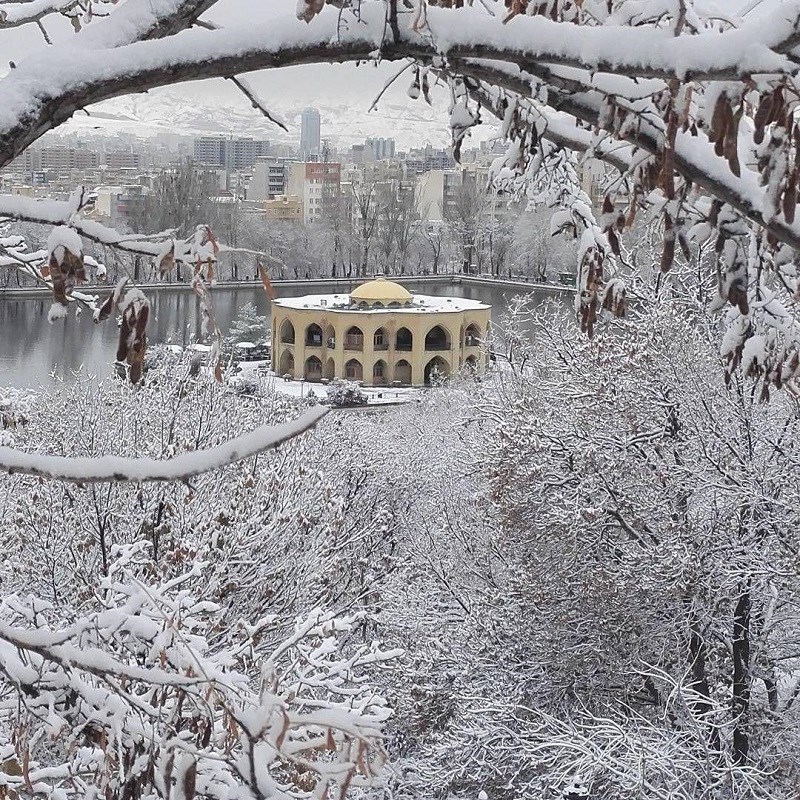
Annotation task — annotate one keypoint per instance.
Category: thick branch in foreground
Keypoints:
(40, 98)
(136, 470)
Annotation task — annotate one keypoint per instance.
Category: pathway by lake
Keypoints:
(33, 352)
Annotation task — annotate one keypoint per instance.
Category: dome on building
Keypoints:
(380, 291)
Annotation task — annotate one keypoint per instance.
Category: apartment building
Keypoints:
(317, 184)
(116, 203)
(269, 179)
(122, 159)
(228, 152)
(440, 192)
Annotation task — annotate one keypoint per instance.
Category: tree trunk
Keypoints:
(697, 657)
(741, 675)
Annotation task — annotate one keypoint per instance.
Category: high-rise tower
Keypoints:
(309, 133)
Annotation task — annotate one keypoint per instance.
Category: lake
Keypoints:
(33, 352)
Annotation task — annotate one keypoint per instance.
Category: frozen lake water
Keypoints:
(31, 350)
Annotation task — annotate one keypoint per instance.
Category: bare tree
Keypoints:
(366, 212)
(464, 214)
(398, 216)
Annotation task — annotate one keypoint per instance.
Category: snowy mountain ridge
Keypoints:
(411, 124)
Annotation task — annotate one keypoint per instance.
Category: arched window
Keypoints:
(380, 373)
(353, 370)
(354, 339)
(472, 336)
(330, 369)
(330, 337)
(471, 364)
(380, 340)
(404, 340)
(402, 372)
(437, 339)
(436, 370)
(287, 332)
(313, 335)
(286, 367)
(313, 370)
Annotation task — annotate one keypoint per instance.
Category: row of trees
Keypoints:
(379, 231)
(372, 226)
(375, 227)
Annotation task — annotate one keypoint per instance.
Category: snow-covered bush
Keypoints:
(150, 692)
(246, 384)
(343, 393)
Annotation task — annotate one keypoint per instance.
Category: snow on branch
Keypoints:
(181, 467)
(12, 15)
(640, 52)
(42, 91)
(64, 212)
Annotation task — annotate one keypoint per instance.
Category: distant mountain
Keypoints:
(411, 124)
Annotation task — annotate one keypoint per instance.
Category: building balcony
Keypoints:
(436, 346)
(353, 342)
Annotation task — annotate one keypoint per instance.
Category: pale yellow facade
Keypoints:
(284, 208)
(379, 334)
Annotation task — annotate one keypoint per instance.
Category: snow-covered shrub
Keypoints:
(245, 384)
(342, 393)
(150, 691)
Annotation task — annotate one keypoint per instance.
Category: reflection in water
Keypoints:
(31, 350)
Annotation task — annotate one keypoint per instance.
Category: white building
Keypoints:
(269, 179)
(317, 184)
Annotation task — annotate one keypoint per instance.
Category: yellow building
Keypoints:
(284, 208)
(379, 334)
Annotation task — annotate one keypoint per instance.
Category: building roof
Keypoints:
(420, 304)
(381, 290)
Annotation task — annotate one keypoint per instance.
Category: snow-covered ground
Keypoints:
(297, 388)
(375, 395)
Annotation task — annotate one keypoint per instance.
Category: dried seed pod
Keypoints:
(166, 261)
(762, 114)
(719, 119)
(732, 143)
(308, 9)
(796, 140)
(790, 198)
(104, 312)
(776, 108)
(123, 341)
(684, 245)
(630, 217)
(613, 241)
(727, 122)
(668, 253)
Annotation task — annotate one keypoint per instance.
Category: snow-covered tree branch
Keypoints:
(179, 468)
